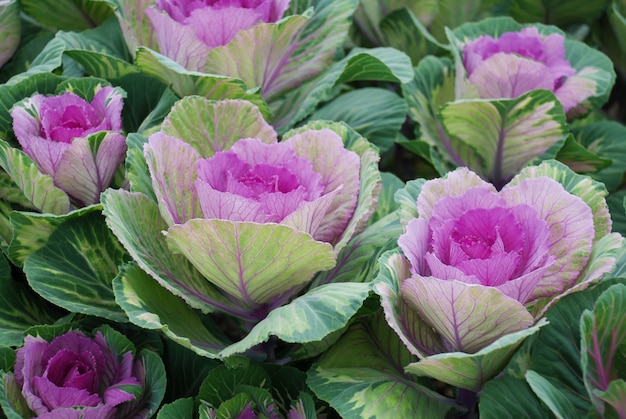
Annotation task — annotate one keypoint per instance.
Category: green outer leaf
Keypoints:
(150, 306)
(472, 371)
(13, 404)
(557, 12)
(604, 139)
(308, 318)
(32, 230)
(137, 171)
(137, 223)
(556, 352)
(185, 369)
(405, 32)
(178, 409)
(211, 126)
(186, 83)
(504, 134)
(20, 308)
(224, 382)
(432, 87)
(256, 263)
(376, 64)
(580, 159)
(509, 397)
(407, 200)
(603, 338)
(48, 60)
(552, 396)
(75, 268)
(386, 200)
(38, 188)
(375, 113)
(67, 14)
(155, 384)
(453, 13)
(361, 376)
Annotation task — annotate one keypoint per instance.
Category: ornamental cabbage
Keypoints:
(483, 264)
(242, 222)
(78, 143)
(507, 63)
(76, 376)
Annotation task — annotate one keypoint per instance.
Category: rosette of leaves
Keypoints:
(481, 118)
(259, 249)
(463, 319)
(61, 371)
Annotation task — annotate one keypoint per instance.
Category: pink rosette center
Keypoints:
(68, 116)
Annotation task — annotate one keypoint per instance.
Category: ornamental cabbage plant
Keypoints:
(482, 266)
(240, 223)
(505, 99)
(500, 59)
(74, 375)
(249, 41)
(76, 142)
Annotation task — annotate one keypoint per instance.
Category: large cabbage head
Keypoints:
(482, 265)
(76, 141)
(252, 219)
(73, 375)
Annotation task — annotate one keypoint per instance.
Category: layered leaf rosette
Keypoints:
(240, 223)
(244, 40)
(482, 266)
(73, 375)
(504, 100)
(71, 147)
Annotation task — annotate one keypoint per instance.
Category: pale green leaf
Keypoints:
(471, 371)
(308, 318)
(150, 306)
(76, 267)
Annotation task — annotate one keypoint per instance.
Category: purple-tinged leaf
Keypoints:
(587, 189)
(86, 168)
(211, 126)
(38, 188)
(172, 166)
(603, 338)
(416, 334)
(137, 223)
(471, 371)
(254, 263)
(468, 317)
(150, 306)
(454, 184)
(177, 41)
(505, 134)
(278, 57)
(340, 168)
(571, 229)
